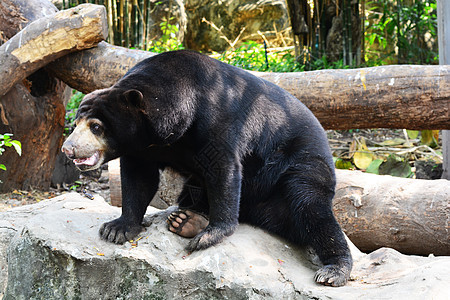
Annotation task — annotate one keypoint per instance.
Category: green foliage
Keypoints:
(168, 41)
(252, 56)
(395, 166)
(6, 141)
(75, 100)
(427, 137)
(71, 110)
(374, 166)
(343, 164)
(395, 29)
(76, 185)
(376, 159)
(323, 63)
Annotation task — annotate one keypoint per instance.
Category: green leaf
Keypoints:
(429, 137)
(363, 157)
(412, 134)
(18, 146)
(392, 142)
(2, 167)
(372, 39)
(374, 166)
(343, 164)
(395, 166)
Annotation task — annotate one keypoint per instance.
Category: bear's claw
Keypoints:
(210, 236)
(118, 231)
(332, 275)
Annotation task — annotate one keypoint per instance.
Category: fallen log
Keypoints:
(396, 96)
(49, 38)
(411, 97)
(96, 68)
(409, 215)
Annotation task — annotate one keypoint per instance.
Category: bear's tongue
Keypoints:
(90, 161)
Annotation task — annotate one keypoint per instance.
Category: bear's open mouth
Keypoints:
(88, 161)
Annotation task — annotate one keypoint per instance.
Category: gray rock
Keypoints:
(231, 17)
(54, 252)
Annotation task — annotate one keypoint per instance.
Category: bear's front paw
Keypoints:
(118, 231)
(209, 237)
(333, 275)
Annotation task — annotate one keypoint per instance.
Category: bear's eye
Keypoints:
(96, 129)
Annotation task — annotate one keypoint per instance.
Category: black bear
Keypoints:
(251, 152)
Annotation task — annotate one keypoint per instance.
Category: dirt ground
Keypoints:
(86, 186)
(340, 142)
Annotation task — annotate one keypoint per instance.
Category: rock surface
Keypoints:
(245, 20)
(53, 252)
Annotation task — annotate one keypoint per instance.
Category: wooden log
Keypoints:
(409, 215)
(49, 38)
(115, 184)
(411, 97)
(96, 68)
(396, 96)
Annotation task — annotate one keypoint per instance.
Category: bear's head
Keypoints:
(109, 123)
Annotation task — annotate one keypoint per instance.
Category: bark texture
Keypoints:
(96, 68)
(33, 110)
(49, 38)
(37, 121)
(406, 96)
(410, 215)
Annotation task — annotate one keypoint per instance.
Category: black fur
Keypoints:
(252, 151)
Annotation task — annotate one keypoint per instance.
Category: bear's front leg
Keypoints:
(223, 192)
(140, 182)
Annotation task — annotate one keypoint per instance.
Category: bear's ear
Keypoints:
(135, 97)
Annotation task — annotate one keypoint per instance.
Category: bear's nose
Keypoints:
(68, 149)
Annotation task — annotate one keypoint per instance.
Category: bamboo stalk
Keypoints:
(128, 24)
(116, 25)
(144, 25)
(122, 16)
(110, 22)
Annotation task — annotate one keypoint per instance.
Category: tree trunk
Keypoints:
(37, 120)
(411, 97)
(409, 215)
(49, 38)
(32, 110)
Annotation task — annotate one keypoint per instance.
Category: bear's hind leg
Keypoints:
(305, 194)
(187, 223)
(309, 189)
(192, 216)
